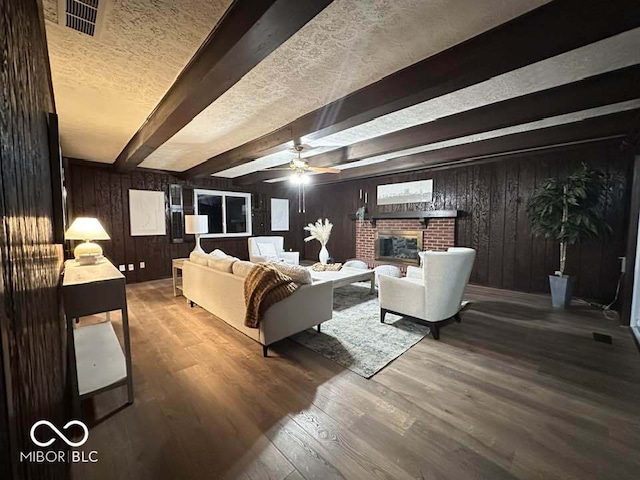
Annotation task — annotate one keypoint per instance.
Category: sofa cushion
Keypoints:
(223, 264)
(217, 253)
(200, 258)
(242, 268)
(297, 273)
(267, 249)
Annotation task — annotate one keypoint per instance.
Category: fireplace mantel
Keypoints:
(422, 215)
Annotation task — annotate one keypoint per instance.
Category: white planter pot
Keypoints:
(324, 255)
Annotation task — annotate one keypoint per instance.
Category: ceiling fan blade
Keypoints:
(288, 169)
(324, 170)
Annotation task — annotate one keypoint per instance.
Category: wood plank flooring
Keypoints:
(517, 390)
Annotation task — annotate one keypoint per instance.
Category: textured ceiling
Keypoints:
(547, 122)
(525, 127)
(610, 54)
(350, 44)
(105, 87)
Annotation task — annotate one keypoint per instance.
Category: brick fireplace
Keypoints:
(438, 235)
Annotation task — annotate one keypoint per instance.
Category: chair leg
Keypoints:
(265, 351)
(318, 327)
(435, 331)
(383, 313)
(457, 317)
(191, 304)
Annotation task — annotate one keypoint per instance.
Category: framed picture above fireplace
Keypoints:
(408, 192)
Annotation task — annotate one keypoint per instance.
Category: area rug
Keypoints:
(356, 339)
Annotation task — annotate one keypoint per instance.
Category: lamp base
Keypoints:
(87, 248)
(197, 248)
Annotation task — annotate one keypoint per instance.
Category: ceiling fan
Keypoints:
(300, 169)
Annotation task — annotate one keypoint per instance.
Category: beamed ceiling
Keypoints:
(223, 88)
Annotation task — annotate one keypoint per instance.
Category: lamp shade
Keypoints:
(86, 228)
(196, 224)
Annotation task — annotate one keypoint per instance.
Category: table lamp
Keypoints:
(87, 229)
(196, 225)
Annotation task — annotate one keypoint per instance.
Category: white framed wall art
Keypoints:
(147, 213)
(279, 215)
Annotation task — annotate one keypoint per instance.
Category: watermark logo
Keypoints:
(61, 435)
(58, 456)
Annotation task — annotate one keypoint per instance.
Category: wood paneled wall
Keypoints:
(99, 191)
(33, 380)
(493, 196)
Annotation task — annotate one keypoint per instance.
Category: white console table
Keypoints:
(97, 362)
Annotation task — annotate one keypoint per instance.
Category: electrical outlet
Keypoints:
(122, 268)
(141, 264)
(131, 267)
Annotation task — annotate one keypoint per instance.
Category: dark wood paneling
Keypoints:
(496, 224)
(492, 197)
(538, 248)
(99, 190)
(33, 379)
(510, 225)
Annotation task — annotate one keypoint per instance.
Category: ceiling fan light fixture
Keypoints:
(299, 177)
(299, 163)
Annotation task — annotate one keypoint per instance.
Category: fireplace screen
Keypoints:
(399, 246)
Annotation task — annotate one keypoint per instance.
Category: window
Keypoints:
(229, 212)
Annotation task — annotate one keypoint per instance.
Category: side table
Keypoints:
(176, 264)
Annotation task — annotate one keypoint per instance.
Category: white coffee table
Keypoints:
(346, 276)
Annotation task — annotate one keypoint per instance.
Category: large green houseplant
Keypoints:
(568, 210)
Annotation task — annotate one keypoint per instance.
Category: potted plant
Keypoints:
(321, 232)
(568, 210)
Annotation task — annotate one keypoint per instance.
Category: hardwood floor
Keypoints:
(517, 390)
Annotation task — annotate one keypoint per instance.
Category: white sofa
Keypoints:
(256, 256)
(435, 298)
(222, 294)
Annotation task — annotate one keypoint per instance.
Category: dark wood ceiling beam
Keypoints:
(246, 34)
(606, 126)
(547, 31)
(607, 88)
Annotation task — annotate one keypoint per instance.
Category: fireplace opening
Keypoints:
(399, 246)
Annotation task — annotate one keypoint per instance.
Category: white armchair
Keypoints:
(437, 297)
(266, 249)
(416, 272)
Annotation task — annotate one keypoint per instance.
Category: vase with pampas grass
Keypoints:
(321, 232)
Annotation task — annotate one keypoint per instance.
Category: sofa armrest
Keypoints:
(306, 307)
(292, 258)
(401, 296)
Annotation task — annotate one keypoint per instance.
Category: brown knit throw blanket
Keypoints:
(263, 287)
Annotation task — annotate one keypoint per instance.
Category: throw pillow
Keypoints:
(222, 264)
(217, 253)
(321, 267)
(199, 258)
(267, 250)
(242, 268)
(297, 273)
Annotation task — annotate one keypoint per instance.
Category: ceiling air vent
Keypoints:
(80, 15)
